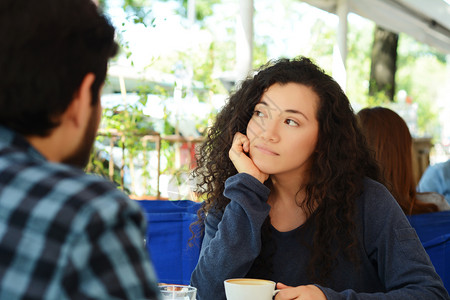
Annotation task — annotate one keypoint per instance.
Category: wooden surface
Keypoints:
(421, 156)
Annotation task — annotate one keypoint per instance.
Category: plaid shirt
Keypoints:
(65, 234)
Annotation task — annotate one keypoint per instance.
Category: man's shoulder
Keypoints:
(85, 189)
(442, 168)
(26, 176)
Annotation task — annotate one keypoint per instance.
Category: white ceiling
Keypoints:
(428, 21)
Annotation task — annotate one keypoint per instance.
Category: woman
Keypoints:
(388, 136)
(290, 196)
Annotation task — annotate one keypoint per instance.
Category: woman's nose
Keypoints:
(270, 131)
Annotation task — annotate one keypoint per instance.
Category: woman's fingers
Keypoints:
(304, 292)
(240, 144)
(281, 286)
(246, 145)
(242, 162)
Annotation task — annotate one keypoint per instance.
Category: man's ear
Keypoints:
(79, 108)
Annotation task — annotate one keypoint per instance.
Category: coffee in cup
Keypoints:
(249, 289)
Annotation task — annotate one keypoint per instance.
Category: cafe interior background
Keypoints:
(179, 61)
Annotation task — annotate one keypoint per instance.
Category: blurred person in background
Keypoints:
(63, 234)
(390, 140)
(436, 178)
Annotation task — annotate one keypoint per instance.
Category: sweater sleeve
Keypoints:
(393, 246)
(232, 240)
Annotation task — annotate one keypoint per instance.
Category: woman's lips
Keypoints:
(266, 150)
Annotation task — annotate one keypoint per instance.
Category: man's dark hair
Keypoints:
(46, 49)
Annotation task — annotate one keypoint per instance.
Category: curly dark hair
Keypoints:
(339, 164)
(47, 48)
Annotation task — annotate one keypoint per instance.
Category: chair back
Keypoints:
(439, 251)
(431, 225)
(174, 254)
(433, 230)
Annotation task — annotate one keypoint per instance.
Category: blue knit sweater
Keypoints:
(393, 263)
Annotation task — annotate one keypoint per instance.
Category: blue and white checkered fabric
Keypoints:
(65, 234)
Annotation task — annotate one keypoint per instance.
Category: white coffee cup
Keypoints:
(249, 289)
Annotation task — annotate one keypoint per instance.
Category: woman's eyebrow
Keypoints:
(294, 111)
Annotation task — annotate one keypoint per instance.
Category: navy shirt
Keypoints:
(394, 264)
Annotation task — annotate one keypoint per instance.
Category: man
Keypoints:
(63, 234)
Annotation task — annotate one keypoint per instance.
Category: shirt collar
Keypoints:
(11, 139)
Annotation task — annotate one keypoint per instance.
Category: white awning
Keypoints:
(428, 21)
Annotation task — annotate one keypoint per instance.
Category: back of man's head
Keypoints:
(47, 47)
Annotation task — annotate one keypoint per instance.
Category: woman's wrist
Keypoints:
(260, 177)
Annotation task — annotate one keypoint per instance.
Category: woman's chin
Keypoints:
(267, 169)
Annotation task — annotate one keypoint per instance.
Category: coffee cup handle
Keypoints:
(275, 292)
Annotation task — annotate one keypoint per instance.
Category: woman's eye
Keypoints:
(291, 122)
(258, 113)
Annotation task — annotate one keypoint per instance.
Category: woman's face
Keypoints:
(283, 130)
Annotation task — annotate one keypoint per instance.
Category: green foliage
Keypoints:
(260, 56)
(420, 72)
(419, 67)
(323, 38)
(128, 118)
(379, 99)
(427, 119)
(99, 165)
(358, 63)
(409, 50)
(139, 11)
(203, 8)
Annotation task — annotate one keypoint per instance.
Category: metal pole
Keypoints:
(191, 11)
(158, 149)
(244, 39)
(340, 49)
